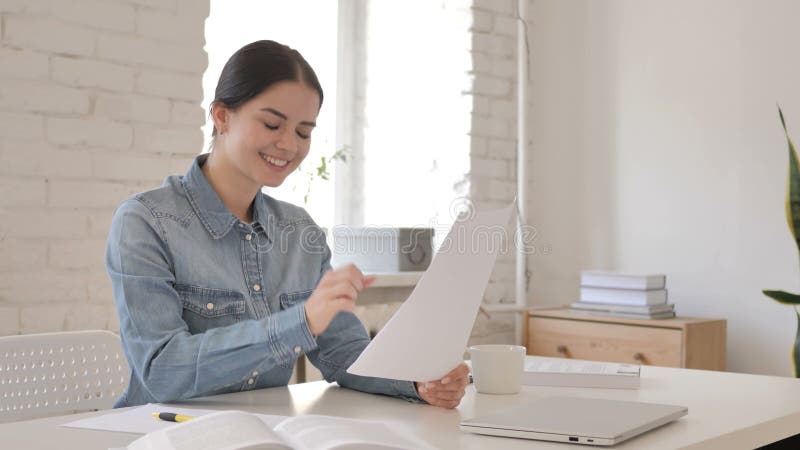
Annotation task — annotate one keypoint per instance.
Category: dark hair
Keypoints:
(257, 66)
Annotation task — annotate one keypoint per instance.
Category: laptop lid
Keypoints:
(591, 421)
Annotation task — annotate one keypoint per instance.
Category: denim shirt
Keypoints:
(209, 304)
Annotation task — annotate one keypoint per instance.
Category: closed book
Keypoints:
(598, 278)
(645, 316)
(632, 309)
(544, 371)
(623, 296)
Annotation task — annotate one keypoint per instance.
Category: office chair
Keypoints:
(60, 373)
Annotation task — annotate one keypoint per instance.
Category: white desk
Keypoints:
(726, 411)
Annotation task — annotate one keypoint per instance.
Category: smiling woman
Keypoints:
(220, 287)
(265, 107)
(233, 24)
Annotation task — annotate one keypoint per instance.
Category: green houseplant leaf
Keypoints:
(787, 298)
(793, 219)
(792, 187)
(796, 349)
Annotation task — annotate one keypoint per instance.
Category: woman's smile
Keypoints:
(273, 163)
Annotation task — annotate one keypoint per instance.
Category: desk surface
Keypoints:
(726, 411)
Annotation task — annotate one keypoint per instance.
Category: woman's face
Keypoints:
(269, 136)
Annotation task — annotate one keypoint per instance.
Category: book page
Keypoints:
(227, 430)
(140, 419)
(312, 432)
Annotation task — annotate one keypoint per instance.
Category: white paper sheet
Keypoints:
(140, 420)
(427, 336)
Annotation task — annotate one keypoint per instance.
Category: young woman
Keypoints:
(219, 287)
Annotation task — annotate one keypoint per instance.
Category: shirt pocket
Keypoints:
(292, 298)
(206, 308)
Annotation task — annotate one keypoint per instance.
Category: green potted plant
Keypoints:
(321, 170)
(793, 218)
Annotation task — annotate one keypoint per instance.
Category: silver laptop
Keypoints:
(589, 421)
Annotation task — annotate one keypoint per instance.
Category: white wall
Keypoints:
(657, 148)
(98, 100)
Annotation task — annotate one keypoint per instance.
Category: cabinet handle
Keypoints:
(562, 349)
(639, 356)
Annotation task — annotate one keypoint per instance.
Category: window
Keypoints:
(417, 117)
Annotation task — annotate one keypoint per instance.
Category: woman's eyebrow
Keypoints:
(283, 116)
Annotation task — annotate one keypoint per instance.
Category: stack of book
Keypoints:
(624, 295)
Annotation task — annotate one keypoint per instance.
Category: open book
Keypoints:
(235, 430)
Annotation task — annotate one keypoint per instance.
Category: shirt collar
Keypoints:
(214, 215)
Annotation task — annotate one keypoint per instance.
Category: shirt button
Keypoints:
(250, 381)
(256, 287)
(209, 306)
(255, 373)
(247, 237)
(297, 349)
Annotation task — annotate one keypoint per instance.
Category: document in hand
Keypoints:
(427, 336)
(238, 430)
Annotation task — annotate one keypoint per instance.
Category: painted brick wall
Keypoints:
(98, 100)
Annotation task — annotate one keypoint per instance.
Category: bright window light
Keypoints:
(416, 142)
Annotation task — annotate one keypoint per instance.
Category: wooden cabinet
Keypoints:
(678, 342)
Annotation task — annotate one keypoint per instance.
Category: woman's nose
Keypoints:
(286, 141)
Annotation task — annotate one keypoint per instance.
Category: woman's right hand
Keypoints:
(336, 291)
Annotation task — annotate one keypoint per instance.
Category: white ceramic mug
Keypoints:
(497, 369)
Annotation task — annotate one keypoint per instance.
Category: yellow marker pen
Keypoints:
(172, 417)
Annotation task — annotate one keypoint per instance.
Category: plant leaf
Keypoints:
(792, 187)
(787, 298)
(796, 348)
(322, 169)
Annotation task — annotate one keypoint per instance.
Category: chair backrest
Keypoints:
(59, 373)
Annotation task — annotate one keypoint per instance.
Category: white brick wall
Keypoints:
(98, 99)
(23, 64)
(80, 72)
(41, 97)
(100, 14)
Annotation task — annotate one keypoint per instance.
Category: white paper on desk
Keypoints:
(141, 421)
(427, 336)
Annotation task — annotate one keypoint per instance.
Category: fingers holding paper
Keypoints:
(448, 391)
(337, 291)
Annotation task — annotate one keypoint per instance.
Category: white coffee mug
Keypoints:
(497, 369)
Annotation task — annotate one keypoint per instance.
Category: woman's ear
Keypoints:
(221, 116)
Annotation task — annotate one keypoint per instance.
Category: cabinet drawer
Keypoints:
(604, 342)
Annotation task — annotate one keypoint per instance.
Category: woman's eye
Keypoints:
(303, 136)
(271, 127)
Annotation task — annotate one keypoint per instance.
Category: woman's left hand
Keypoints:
(447, 392)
